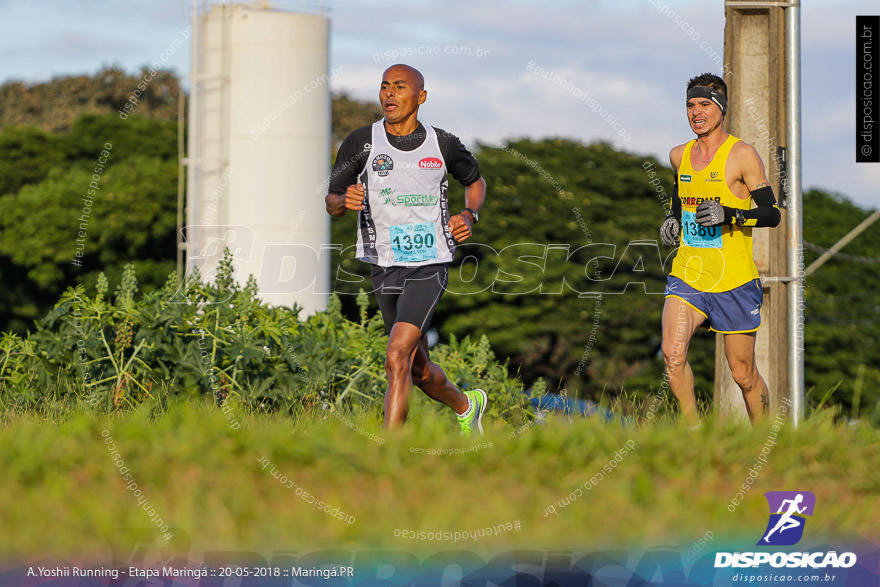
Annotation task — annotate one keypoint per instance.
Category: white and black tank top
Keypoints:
(405, 215)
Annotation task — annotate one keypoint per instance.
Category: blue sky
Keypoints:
(485, 83)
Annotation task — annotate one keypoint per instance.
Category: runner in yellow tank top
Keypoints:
(711, 258)
(718, 178)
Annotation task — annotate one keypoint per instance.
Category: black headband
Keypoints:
(715, 96)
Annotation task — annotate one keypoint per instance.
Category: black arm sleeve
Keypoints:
(459, 161)
(765, 212)
(676, 201)
(350, 159)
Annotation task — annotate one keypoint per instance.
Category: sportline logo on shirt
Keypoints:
(430, 163)
(387, 195)
(413, 200)
(684, 178)
(786, 528)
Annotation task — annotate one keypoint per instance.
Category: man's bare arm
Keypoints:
(765, 212)
(352, 199)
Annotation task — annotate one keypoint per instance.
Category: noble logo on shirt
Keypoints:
(430, 163)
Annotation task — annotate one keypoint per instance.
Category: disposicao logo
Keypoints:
(786, 526)
(788, 512)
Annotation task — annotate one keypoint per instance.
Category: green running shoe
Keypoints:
(477, 399)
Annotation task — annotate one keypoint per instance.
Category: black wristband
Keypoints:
(765, 214)
(474, 214)
(729, 215)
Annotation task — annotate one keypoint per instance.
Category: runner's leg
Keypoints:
(680, 321)
(740, 351)
(402, 344)
(431, 379)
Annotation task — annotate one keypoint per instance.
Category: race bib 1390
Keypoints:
(412, 243)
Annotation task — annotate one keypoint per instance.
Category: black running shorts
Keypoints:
(409, 294)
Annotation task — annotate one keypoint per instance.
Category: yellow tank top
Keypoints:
(719, 258)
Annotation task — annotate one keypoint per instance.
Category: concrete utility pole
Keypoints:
(762, 72)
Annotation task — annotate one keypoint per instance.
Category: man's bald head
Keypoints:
(401, 93)
(405, 72)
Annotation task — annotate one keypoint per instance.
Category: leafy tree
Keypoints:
(132, 137)
(349, 114)
(49, 226)
(56, 104)
(28, 155)
(842, 315)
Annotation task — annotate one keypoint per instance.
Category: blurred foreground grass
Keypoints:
(214, 485)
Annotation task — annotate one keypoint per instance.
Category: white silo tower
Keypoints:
(259, 148)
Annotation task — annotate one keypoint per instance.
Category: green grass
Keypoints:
(205, 480)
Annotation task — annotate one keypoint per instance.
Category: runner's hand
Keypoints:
(670, 231)
(710, 213)
(460, 227)
(354, 197)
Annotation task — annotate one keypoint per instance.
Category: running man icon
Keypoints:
(786, 526)
(787, 522)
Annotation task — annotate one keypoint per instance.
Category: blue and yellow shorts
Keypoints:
(729, 312)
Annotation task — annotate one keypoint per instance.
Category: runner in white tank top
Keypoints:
(405, 215)
(407, 233)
